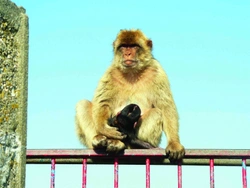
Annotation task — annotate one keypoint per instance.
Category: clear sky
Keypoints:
(204, 46)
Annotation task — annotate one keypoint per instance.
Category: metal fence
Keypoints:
(141, 156)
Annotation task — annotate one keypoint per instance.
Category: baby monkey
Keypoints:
(126, 121)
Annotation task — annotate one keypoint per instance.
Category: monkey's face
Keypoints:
(132, 50)
(129, 55)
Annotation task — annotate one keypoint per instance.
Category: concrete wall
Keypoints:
(13, 94)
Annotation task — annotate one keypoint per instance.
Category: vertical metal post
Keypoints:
(211, 173)
(147, 173)
(84, 173)
(116, 173)
(244, 173)
(179, 167)
(53, 170)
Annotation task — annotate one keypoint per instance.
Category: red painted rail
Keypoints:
(141, 156)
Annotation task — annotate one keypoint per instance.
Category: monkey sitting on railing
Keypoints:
(134, 77)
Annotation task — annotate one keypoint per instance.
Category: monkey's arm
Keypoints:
(170, 120)
(102, 109)
(101, 116)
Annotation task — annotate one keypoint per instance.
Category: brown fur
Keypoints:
(132, 37)
(141, 81)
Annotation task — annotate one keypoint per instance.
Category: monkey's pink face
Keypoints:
(129, 55)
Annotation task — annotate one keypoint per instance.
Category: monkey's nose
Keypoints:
(127, 54)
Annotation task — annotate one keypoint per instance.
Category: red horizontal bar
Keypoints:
(88, 153)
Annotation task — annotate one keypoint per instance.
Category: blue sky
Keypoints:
(204, 46)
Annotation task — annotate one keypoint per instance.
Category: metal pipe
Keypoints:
(116, 173)
(211, 173)
(84, 173)
(244, 173)
(147, 173)
(138, 156)
(179, 169)
(53, 171)
(88, 153)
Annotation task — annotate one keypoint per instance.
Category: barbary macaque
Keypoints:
(134, 77)
(126, 121)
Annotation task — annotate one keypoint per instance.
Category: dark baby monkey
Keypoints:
(126, 121)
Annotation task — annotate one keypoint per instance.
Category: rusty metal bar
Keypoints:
(84, 173)
(137, 161)
(179, 171)
(211, 173)
(53, 170)
(116, 173)
(138, 156)
(147, 173)
(137, 153)
(244, 173)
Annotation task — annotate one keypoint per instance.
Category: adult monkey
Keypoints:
(133, 77)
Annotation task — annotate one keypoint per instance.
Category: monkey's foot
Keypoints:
(99, 141)
(111, 145)
(114, 146)
(175, 151)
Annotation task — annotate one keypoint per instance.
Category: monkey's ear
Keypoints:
(150, 44)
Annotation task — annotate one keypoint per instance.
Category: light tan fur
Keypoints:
(145, 84)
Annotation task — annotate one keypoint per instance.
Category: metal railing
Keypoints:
(141, 156)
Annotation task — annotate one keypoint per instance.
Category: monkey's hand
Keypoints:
(175, 151)
(129, 115)
(112, 132)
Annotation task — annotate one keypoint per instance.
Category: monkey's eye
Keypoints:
(128, 46)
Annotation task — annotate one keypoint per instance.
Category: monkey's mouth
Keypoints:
(129, 63)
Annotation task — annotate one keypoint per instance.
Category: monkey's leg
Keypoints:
(139, 144)
(86, 131)
(84, 124)
(149, 127)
